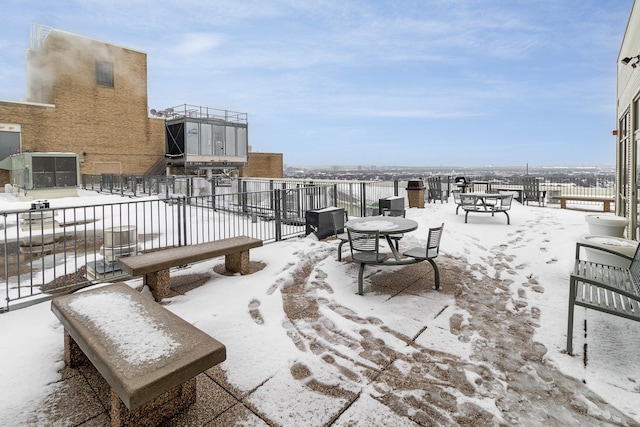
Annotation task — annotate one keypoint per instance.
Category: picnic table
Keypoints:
(486, 203)
(387, 226)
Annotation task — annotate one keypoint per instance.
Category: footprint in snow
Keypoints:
(254, 312)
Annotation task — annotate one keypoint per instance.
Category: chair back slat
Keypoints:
(433, 241)
(467, 199)
(634, 268)
(531, 187)
(364, 241)
(505, 201)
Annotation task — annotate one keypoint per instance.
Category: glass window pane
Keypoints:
(230, 146)
(104, 73)
(192, 138)
(9, 143)
(218, 140)
(242, 141)
(206, 143)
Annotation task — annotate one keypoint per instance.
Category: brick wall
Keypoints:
(109, 127)
(264, 165)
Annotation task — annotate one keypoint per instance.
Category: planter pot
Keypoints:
(623, 246)
(606, 225)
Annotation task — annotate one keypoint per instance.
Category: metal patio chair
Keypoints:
(365, 249)
(395, 212)
(429, 252)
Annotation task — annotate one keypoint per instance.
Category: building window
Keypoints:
(104, 73)
(636, 114)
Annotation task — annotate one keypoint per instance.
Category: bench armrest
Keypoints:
(580, 245)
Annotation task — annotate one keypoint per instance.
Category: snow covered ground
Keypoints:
(490, 346)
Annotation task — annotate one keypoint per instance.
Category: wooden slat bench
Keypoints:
(148, 355)
(603, 199)
(605, 288)
(154, 266)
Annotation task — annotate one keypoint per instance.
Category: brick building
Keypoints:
(90, 98)
(85, 97)
(264, 165)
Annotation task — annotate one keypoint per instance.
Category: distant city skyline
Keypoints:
(430, 82)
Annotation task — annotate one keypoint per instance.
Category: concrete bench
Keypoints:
(605, 288)
(149, 356)
(605, 200)
(154, 266)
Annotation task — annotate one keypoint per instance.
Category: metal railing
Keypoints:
(51, 249)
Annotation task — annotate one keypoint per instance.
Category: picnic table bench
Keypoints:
(149, 356)
(154, 266)
(605, 288)
(604, 199)
(485, 203)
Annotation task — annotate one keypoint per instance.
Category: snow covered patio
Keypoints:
(304, 350)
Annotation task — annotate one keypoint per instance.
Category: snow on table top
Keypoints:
(375, 224)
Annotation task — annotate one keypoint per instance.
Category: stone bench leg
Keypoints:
(159, 283)
(153, 413)
(237, 262)
(73, 354)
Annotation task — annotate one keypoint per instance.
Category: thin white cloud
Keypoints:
(189, 44)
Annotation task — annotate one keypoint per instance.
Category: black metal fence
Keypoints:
(50, 249)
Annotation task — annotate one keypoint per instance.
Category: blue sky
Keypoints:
(364, 82)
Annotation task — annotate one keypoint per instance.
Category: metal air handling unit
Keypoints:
(30, 171)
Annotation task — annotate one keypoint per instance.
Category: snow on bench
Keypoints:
(605, 200)
(154, 266)
(149, 356)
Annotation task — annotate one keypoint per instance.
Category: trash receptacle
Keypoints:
(415, 193)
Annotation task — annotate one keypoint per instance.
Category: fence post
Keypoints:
(182, 220)
(213, 195)
(335, 195)
(363, 199)
(271, 187)
(299, 201)
(243, 197)
(278, 215)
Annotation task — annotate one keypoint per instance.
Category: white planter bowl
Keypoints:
(623, 246)
(606, 225)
